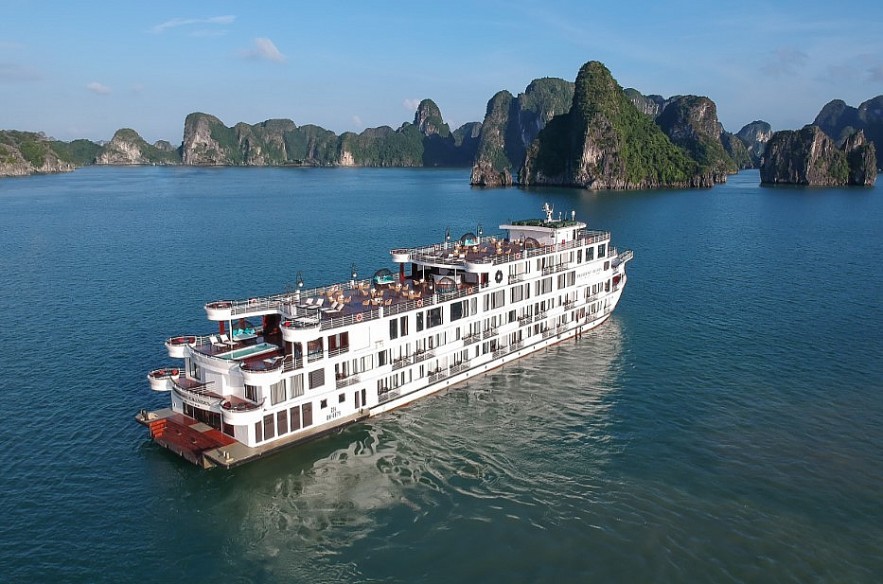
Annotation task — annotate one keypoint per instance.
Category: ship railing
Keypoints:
(388, 395)
(473, 338)
(349, 319)
(243, 405)
(514, 278)
(548, 333)
(525, 320)
(347, 381)
(315, 356)
(291, 300)
(443, 254)
(623, 257)
(554, 269)
(438, 375)
(421, 356)
(584, 237)
(290, 363)
(338, 351)
(402, 362)
(459, 367)
(199, 393)
(266, 365)
(491, 332)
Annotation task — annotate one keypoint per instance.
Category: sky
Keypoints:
(86, 69)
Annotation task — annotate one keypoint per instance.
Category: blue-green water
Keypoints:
(724, 426)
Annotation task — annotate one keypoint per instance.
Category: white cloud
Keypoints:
(411, 104)
(98, 88)
(264, 49)
(357, 122)
(178, 22)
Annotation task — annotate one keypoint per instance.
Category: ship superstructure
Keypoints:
(286, 368)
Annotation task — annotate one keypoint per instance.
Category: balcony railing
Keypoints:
(347, 381)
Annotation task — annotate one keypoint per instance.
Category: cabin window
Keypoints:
(296, 384)
(258, 432)
(456, 311)
(341, 398)
(602, 250)
(381, 358)
(590, 254)
(419, 321)
(294, 418)
(393, 328)
(282, 422)
(277, 393)
(308, 415)
(403, 325)
(323, 404)
(251, 392)
(317, 378)
(269, 426)
(433, 317)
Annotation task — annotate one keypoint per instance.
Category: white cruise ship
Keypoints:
(287, 368)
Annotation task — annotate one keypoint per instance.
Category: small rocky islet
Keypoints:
(590, 133)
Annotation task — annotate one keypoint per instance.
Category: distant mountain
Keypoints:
(511, 124)
(428, 141)
(24, 153)
(128, 148)
(755, 137)
(535, 137)
(810, 157)
(605, 142)
(839, 121)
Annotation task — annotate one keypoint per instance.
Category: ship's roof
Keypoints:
(544, 223)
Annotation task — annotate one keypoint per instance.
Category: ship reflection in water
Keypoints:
(488, 450)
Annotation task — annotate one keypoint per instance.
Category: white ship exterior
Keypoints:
(286, 368)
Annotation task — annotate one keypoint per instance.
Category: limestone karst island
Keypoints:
(590, 133)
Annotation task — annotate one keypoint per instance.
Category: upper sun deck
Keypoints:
(480, 254)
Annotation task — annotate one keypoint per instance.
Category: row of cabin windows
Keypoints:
(397, 379)
(589, 252)
(491, 301)
(286, 389)
(283, 422)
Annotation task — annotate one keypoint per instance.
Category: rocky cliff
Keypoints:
(24, 153)
(755, 137)
(839, 121)
(691, 122)
(605, 142)
(128, 148)
(427, 141)
(511, 124)
(810, 157)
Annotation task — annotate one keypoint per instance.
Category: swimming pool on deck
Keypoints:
(250, 351)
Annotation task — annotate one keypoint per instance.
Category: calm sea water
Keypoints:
(724, 426)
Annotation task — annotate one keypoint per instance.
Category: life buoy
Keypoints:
(419, 302)
(174, 372)
(499, 276)
(518, 256)
(358, 317)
